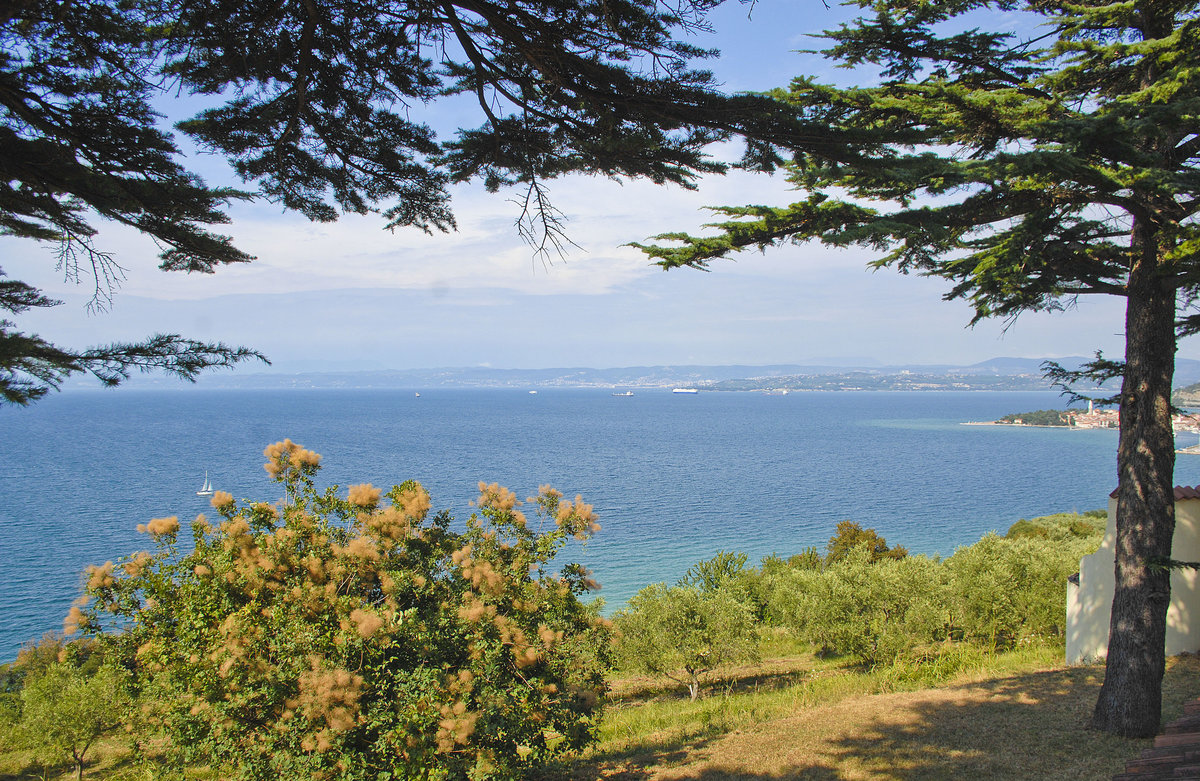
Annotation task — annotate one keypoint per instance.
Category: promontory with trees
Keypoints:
(1041, 417)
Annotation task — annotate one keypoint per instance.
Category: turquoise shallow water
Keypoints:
(674, 478)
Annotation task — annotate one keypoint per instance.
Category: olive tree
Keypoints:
(684, 632)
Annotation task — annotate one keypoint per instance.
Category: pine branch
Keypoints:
(30, 367)
(171, 353)
(1098, 370)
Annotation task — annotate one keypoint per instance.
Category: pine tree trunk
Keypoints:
(1130, 702)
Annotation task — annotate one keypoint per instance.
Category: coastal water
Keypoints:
(674, 478)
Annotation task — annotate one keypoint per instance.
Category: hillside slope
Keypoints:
(1013, 728)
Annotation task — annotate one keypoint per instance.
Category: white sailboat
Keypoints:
(206, 489)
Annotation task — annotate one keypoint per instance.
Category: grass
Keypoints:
(1020, 716)
(1013, 716)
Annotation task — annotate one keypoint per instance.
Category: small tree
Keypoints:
(64, 711)
(684, 632)
(342, 636)
(1007, 591)
(712, 574)
(807, 559)
(851, 535)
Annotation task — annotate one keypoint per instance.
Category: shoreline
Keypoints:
(1032, 425)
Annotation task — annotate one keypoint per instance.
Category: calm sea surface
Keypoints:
(674, 478)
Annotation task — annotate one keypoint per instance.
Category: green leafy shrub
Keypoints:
(712, 574)
(345, 637)
(996, 594)
(685, 632)
(1061, 526)
(1024, 528)
(1011, 591)
(850, 536)
(871, 611)
(728, 572)
(809, 558)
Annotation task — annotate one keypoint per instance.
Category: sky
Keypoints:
(350, 295)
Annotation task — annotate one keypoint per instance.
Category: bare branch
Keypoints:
(541, 225)
(75, 253)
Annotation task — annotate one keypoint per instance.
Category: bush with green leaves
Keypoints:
(871, 611)
(342, 636)
(728, 572)
(712, 574)
(850, 536)
(995, 594)
(1061, 526)
(1012, 591)
(684, 632)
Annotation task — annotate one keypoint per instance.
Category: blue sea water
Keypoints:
(673, 478)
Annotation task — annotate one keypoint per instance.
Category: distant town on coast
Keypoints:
(1077, 418)
(1092, 417)
(1097, 417)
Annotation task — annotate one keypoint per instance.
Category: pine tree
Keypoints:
(1027, 172)
(318, 106)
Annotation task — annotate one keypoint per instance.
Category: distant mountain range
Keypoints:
(994, 374)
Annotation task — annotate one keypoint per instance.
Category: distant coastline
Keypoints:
(1079, 420)
(1090, 418)
(997, 374)
(1020, 425)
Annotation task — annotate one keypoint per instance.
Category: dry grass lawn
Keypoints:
(1024, 726)
(1021, 726)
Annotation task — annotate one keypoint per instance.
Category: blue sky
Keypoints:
(352, 295)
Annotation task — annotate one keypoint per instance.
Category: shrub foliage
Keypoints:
(996, 595)
(867, 602)
(850, 536)
(359, 636)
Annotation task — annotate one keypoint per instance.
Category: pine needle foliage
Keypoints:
(321, 107)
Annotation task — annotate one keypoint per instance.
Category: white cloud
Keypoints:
(295, 255)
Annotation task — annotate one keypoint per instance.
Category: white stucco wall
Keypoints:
(1089, 605)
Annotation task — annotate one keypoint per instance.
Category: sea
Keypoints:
(674, 478)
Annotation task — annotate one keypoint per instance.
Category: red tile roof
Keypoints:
(1184, 492)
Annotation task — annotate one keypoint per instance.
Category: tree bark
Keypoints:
(1130, 701)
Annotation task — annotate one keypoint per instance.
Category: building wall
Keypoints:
(1089, 604)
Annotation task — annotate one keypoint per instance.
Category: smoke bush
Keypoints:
(358, 636)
